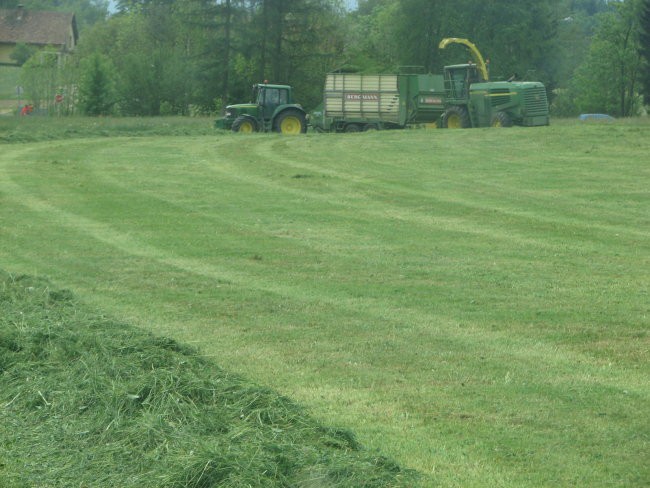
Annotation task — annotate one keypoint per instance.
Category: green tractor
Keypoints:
(272, 110)
(472, 100)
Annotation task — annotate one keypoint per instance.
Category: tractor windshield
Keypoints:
(271, 98)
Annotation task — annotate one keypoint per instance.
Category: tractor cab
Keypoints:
(269, 97)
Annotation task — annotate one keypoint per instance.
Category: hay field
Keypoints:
(473, 304)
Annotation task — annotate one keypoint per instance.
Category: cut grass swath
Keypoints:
(87, 401)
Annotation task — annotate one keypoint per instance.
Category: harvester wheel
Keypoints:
(291, 122)
(456, 117)
(245, 125)
(501, 119)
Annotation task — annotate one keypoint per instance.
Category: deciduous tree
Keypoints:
(608, 79)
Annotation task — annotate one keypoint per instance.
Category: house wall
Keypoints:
(6, 50)
(5, 53)
(69, 41)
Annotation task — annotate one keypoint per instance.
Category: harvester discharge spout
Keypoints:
(476, 54)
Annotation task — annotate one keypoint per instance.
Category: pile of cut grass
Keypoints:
(87, 401)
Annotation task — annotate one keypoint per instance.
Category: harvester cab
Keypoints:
(458, 79)
(272, 109)
(472, 100)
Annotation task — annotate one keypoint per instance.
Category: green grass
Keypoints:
(87, 401)
(37, 128)
(474, 304)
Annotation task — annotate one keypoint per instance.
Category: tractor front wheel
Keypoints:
(291, 122)
(245, 125)
(456, 117)
(501, 119)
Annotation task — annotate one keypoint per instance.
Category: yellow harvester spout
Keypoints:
(476, 54)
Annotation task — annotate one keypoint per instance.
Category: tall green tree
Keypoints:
(97, 85)
(366, 48)
(149, 57)
(608, 80)
(209, 30)
(588, 7)
(191, 52)
(576, 26)
(421, 25)
(644, 49)
(516, 36)
(283, 41)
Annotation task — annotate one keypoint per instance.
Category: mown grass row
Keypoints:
(16, 129)
(88, 401)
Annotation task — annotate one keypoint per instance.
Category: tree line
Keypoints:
(154, 57)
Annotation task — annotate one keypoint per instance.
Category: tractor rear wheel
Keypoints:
(291, 122)
(245, 125)
(501, 119)
(456, 117)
